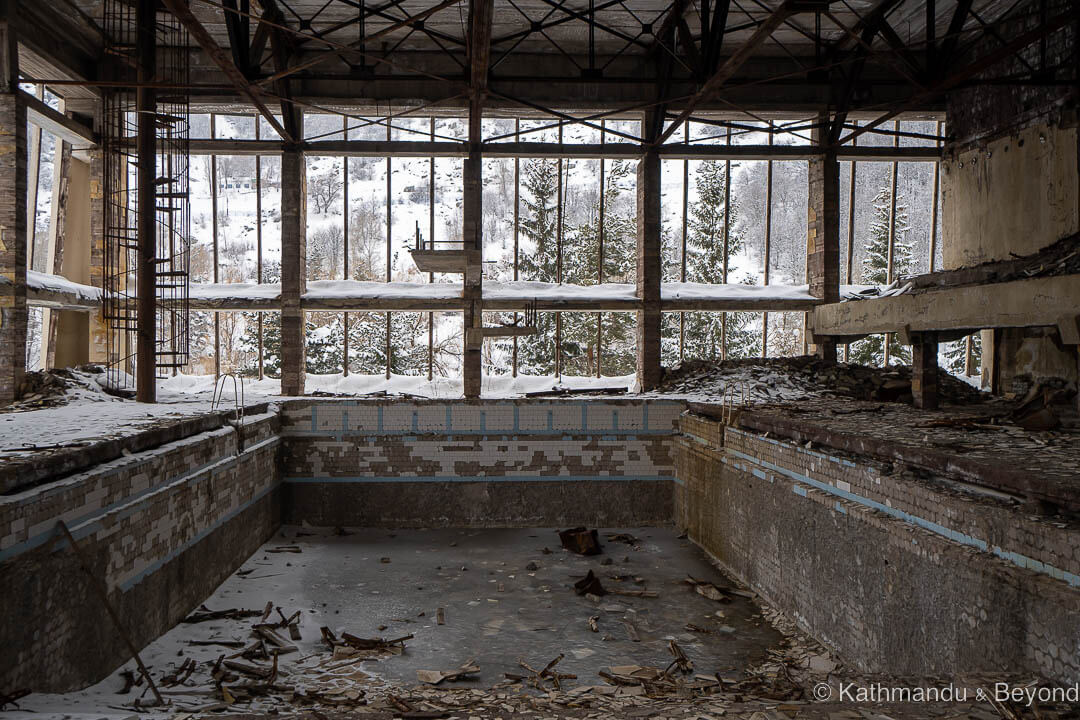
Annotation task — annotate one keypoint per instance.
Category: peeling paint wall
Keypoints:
(1013, 195)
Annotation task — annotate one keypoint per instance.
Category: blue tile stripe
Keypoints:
(90, 523)
(479, 479)
(1017, 559)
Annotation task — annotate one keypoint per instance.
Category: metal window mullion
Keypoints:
(727, 237)
(431, 239)
(892, 233)
(558, 256)
(214, 225)
(600, 251)
(517, 227)
(258, 241)
(934, 204)
(682, 261)
(389, 170)
(768, 245)
(850, 230)
(345, 259)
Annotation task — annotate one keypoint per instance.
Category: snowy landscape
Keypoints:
(390, 201)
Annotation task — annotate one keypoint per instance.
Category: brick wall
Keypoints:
(479, 464)
(162, 527)
(901, 575)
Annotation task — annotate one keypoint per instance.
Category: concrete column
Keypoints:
(924, 371)
(648, 271)
(472, 230)
(99, 331)
(12, 211)
(146, 227)
(293, 270)
(823, 230)
(72, 328)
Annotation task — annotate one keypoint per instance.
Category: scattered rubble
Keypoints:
(755, 381)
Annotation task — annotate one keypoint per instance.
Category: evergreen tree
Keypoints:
(539, 222)
(706, 334)
(875, 264)
(582, 260)
(956, 354)
(536, 353)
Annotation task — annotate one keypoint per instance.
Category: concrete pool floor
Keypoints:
(506, 596)
(503, 598)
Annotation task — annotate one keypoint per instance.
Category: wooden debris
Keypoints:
(538, 677)
(435, 677)
(12, 698)
(590, 585)
(205, 614)
(581, 541)
(285, 549)
(709, 590)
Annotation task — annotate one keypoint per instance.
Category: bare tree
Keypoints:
(323, 189)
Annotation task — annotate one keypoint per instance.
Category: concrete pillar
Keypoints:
(73, 328)
(472, 231)
(146, 279)
(648, 271)
(293, 270)
(823, 230)
(924, 371)
(12, 211)
(99, 331)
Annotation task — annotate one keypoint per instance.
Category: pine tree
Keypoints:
(582, 262)
(875, 271)
(540, 220)
(956, 354)
(536, 353)
(707, 334)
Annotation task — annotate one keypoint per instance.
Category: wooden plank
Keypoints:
(56, 123)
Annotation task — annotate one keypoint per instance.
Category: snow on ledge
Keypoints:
(181, 387)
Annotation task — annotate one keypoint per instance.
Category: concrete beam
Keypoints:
(58, 124)
(616, 150)
(1033, 302)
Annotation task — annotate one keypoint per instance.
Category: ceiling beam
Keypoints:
(358, 45)
(202, 37)
(712, 86)
(481, 15)
(946, 55)
(969, 71)
(552, 150)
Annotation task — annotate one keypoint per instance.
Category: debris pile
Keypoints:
(783, 380)
(61, 386)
